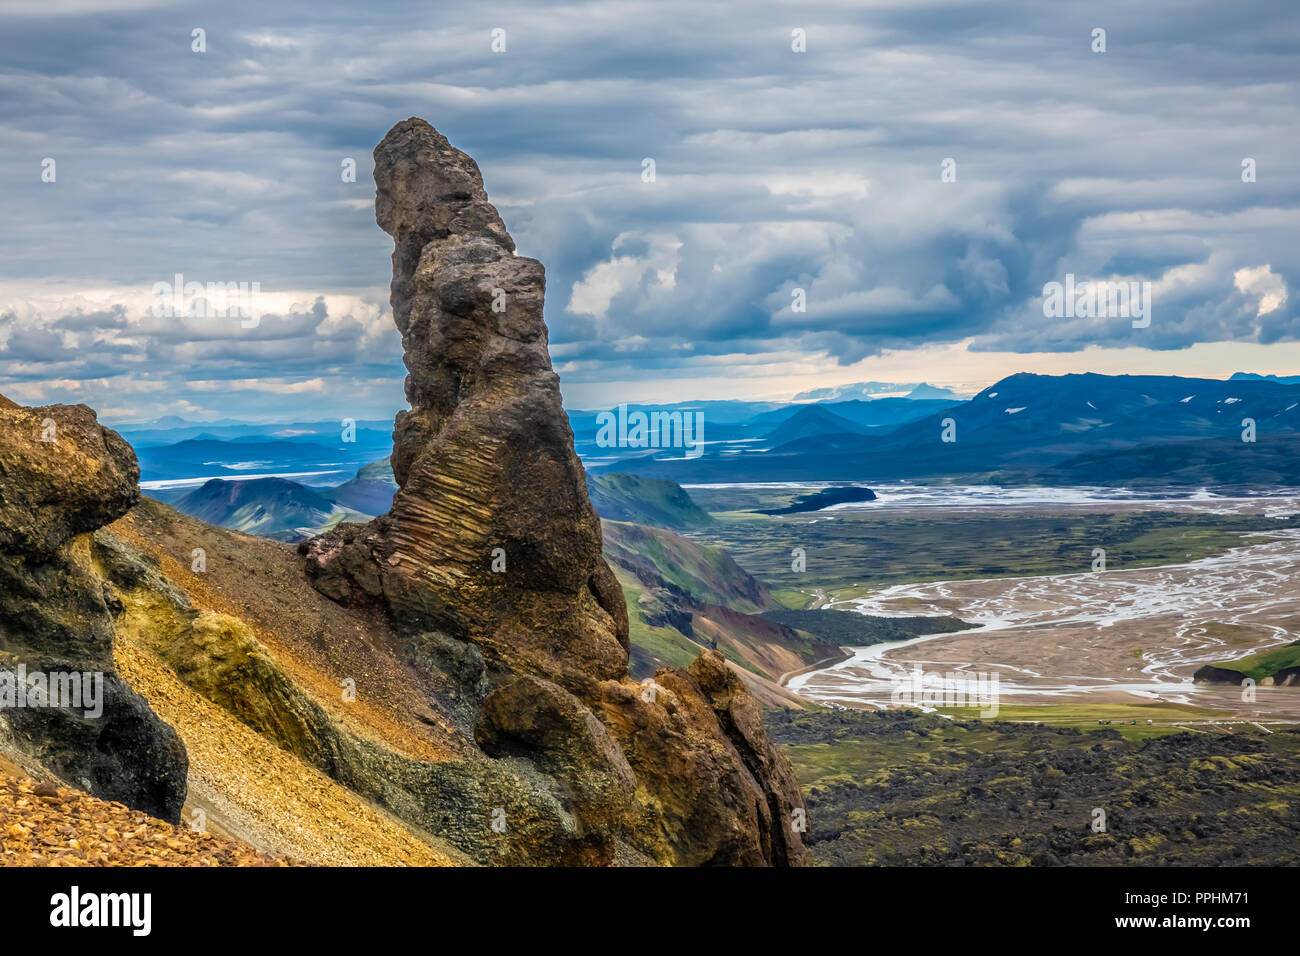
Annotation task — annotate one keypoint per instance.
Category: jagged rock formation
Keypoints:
(484, 459)
(490, 560)
(62, 476)
(483, 635)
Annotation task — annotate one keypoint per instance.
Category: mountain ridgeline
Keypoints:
(274, 507)
(652, 501)
(1034, 429)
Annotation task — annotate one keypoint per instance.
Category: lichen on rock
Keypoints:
(62, 476)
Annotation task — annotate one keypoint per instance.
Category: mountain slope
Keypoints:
(645, 501)
(683, 595)
(272, 507)
(809, 422)
(706, 572)
(39, 816)
(1209, 462)
(370, 492)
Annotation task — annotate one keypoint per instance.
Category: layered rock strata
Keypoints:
(491, 555)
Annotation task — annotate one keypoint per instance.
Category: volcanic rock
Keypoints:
(492, 542)
(63, 475)
(491, 534)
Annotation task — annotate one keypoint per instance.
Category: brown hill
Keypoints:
(684, 596)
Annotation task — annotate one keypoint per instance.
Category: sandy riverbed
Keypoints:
(1113, 636)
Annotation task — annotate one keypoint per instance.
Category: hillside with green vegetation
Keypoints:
(1278, 665)
(652, 501)
(683, 596)
(707, 572)
(899, 788)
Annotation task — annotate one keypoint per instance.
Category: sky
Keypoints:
(916, 175)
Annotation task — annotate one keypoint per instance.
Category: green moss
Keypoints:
(1266, 663)
(653, 647)
(902, 788)
(851, 553)
(793, 598)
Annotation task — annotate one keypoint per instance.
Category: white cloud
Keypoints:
(603, 282)
(1265, 284)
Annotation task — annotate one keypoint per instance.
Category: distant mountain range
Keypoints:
(191, 461)
(732, 428)
(1026, 429)
(1069, 429)
(177, 455)
(170, 429)
(871, 390)
(1256, 377)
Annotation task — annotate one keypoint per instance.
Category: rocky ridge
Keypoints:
(483, 636)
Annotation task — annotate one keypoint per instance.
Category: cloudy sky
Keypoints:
(775, 170)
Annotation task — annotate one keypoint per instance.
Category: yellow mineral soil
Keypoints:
(247, 786)
(315, 641)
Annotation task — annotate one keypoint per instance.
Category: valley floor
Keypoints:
(1106, 637)
(1203, 580)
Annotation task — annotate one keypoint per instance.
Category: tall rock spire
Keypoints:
(490, 558)
(491, 535)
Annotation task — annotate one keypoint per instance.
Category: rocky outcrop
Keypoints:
(1217, 675)
(62, 476)
(491, 534)
(490, 559)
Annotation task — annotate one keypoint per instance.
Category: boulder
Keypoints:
(62, 476)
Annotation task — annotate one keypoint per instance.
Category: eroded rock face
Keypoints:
(62, 476)
(484, 458)
(492, 541)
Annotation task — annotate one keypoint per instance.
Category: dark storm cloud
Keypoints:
(776, 171)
